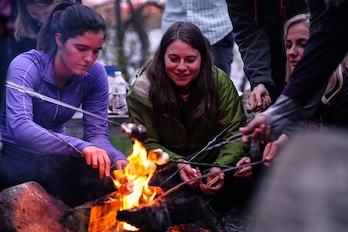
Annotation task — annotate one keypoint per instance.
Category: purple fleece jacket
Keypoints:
(25, 120)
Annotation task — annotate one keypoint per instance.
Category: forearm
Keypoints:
(279, 115)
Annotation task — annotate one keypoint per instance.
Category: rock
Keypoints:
(28, 207)
(307, 189)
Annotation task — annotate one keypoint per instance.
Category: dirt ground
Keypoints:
(238, 220)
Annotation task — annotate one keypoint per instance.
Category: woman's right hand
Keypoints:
(260, 97)
(257, 130)
(187, 173)
(98, 158)
(271, 149)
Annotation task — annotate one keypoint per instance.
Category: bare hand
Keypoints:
(208, 189)
(246, 172)
(260, 97)
(121, 164)
(187, 173)
(257, 130)
(97, 158)
(272, 148)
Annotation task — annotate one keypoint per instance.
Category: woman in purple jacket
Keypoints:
(64, 68)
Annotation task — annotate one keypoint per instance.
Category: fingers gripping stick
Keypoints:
(251, 108)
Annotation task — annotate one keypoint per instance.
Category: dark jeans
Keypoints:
(68, 178)
(223, 55)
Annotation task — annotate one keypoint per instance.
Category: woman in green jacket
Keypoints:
(184, 101)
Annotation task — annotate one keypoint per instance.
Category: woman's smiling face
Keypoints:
(182, 63)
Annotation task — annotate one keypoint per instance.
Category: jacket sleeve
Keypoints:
(230, 111)
(25, 72)
(253, 43)
(96, 129)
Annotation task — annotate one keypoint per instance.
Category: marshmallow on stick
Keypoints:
(158, 156)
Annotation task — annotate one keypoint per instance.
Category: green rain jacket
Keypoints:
(171, 135)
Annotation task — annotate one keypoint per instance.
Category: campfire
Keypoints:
(132, 185)
(136, 205)
(132, 182)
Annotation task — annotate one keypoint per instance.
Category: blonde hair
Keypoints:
(336, 80)
(335, 84)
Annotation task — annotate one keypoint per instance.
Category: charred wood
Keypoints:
(159, 215)
(94, 216)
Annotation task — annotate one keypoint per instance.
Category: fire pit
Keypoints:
(132, 185)
(135, 206)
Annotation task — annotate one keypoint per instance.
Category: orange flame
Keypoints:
(132, 182)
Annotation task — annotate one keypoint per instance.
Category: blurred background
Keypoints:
(134, 32)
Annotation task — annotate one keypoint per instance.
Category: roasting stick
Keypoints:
(207, 175)
(55, 101)
(213, 181)
(69, 144)
(199, 164)
(205, 148)
(75, 148)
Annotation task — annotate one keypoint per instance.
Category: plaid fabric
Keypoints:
(210, 16)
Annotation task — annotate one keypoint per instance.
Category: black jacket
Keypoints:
(258, 28)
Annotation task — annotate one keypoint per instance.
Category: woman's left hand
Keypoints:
(246, 172)
(211, 189)
(187, 173)
(121, 164)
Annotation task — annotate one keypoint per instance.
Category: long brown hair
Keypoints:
(163, 92)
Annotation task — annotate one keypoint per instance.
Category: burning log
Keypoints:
(94, 216)
(132, 190)
(161, 214)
